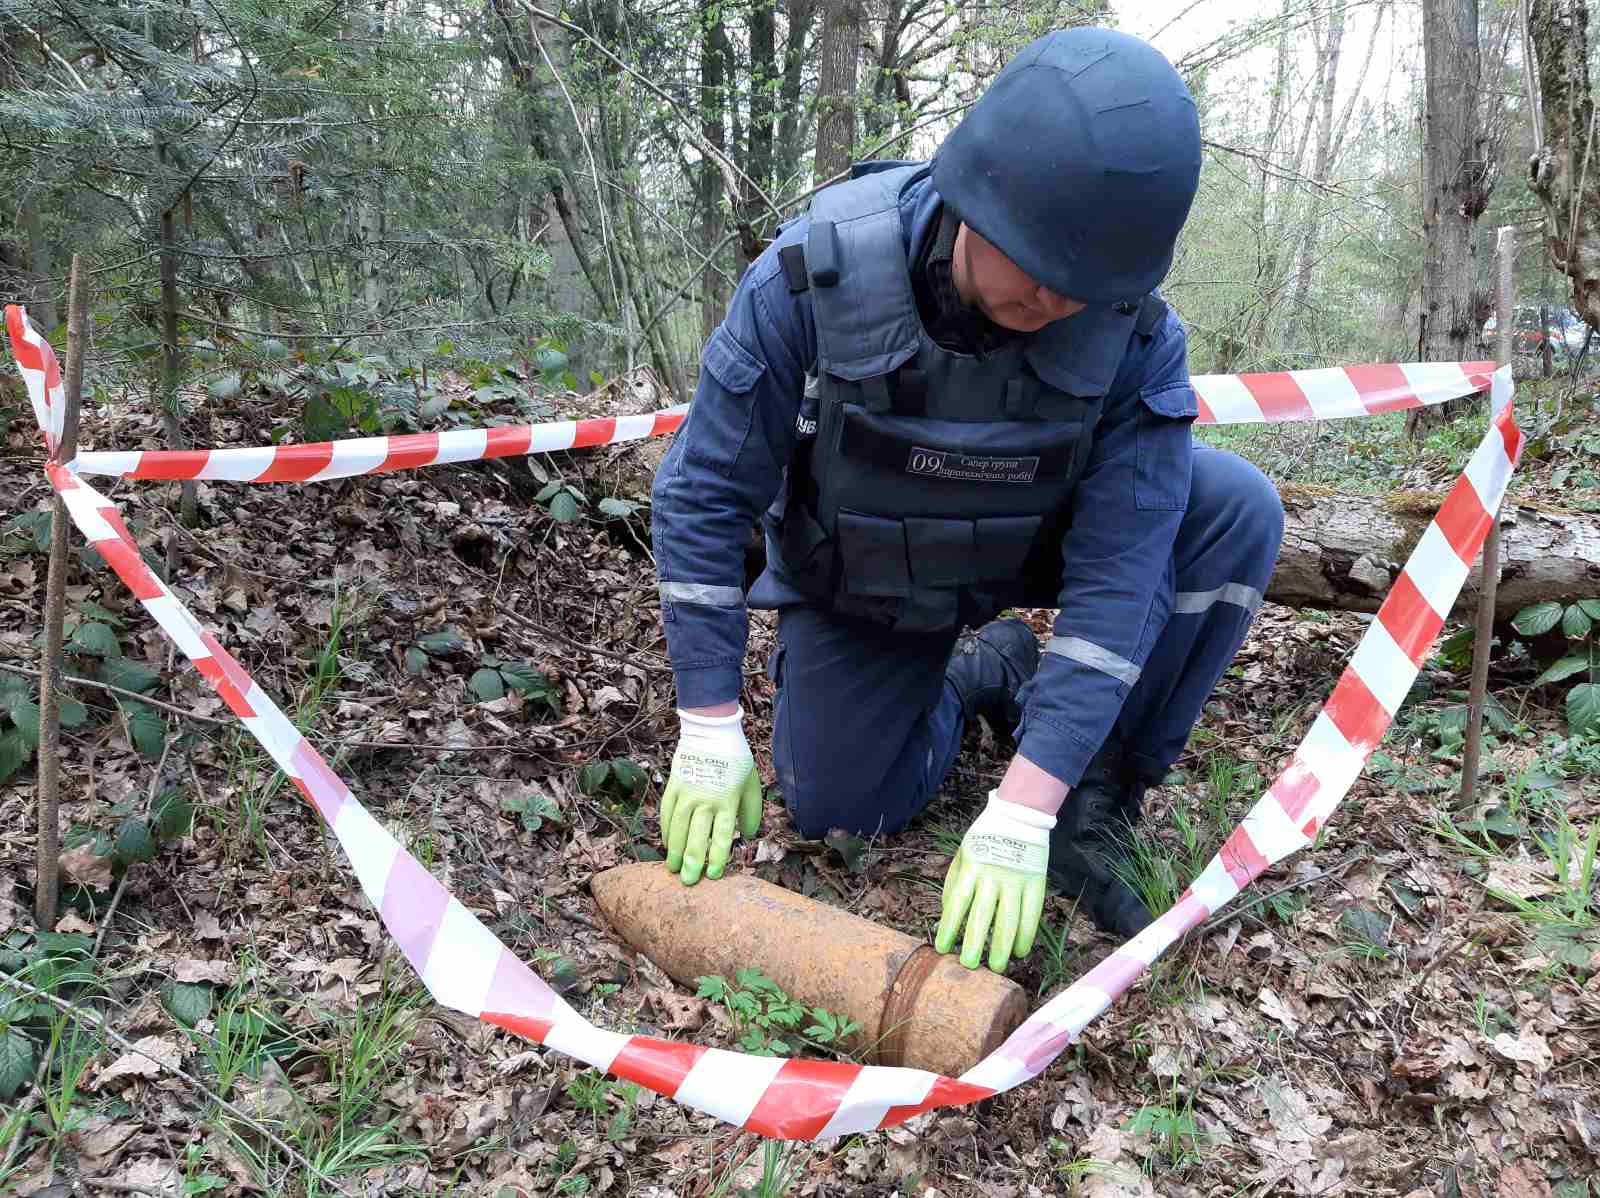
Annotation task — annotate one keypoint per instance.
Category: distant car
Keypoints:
(1573, 331)
(1529, 326)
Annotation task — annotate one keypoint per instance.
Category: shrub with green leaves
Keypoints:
(769, 1021)
(562, 500)
(26, 532)
(617, 777)
(533, 810)
(57, 963)
(19, 721)
(1576, 622)
(136, 836)
(493, 679)
(443, 643)
(90, 633)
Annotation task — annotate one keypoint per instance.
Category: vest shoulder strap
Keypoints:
(859, 276)
(1152, 311)
(793, 260)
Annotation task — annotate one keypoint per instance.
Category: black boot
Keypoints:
(1090, 847)
(989, 666)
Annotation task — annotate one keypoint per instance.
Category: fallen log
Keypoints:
(1344, 551)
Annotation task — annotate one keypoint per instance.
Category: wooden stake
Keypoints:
(47, 889)
(1477, 691)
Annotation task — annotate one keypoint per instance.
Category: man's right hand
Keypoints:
(713, 788)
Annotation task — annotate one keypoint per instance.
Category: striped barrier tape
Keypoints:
(467, 969)
(1224, 399)
(321, 460)
(37, 363)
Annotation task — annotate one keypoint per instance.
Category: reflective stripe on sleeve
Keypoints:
(1075, 648)
(1192, 603)
(702, 593)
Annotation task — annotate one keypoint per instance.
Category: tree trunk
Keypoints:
(712, 128)
(836, 88)
(1563, 173)
(763, 97)
(1343, 551)
(369, 230)
(1455, 190)
(569, 256)
(793, 123)
(1329, 78)
(887, 87)
(171, 354)
(41, 265)
(1256, 322)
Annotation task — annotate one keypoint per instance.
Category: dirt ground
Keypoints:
(1375, 1017)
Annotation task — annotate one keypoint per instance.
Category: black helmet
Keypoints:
(1079, 163)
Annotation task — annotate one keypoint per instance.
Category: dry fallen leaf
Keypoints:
(1520, 879)
(1522, 1180)
(1111, 1170)
(1274, 1007)
(1527, 1047)
(99, 1141)
(82, 866)
(679, 1012)
(194, 970)
(206, 927)
(139, 1063)
(1292, 1113)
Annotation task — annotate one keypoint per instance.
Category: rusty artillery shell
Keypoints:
(916, 1007)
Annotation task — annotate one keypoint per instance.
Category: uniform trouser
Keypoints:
(865, 727)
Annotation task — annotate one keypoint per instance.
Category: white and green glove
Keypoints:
(713, 787)
(997, 878)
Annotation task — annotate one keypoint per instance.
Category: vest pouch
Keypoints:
(803, 547)
(873, 552)
(943, 552)
(1004, 543)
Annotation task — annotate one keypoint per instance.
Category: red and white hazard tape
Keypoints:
(1224, 399)
(1335, 392)
(467, 969)
(37, 362)
(377, 455)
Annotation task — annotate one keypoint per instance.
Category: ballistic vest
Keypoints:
(938, 488)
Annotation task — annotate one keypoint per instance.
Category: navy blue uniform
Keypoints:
(1167, 554)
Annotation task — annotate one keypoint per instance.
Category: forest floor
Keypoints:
(1410, 1007)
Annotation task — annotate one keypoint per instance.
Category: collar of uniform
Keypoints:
(951, 321)
(1081, 354)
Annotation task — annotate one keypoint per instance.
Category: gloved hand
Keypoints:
(997, 877)
(713, 782)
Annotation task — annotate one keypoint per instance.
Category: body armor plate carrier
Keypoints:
(939, 486)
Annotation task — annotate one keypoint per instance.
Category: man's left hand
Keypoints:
(997, 880)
